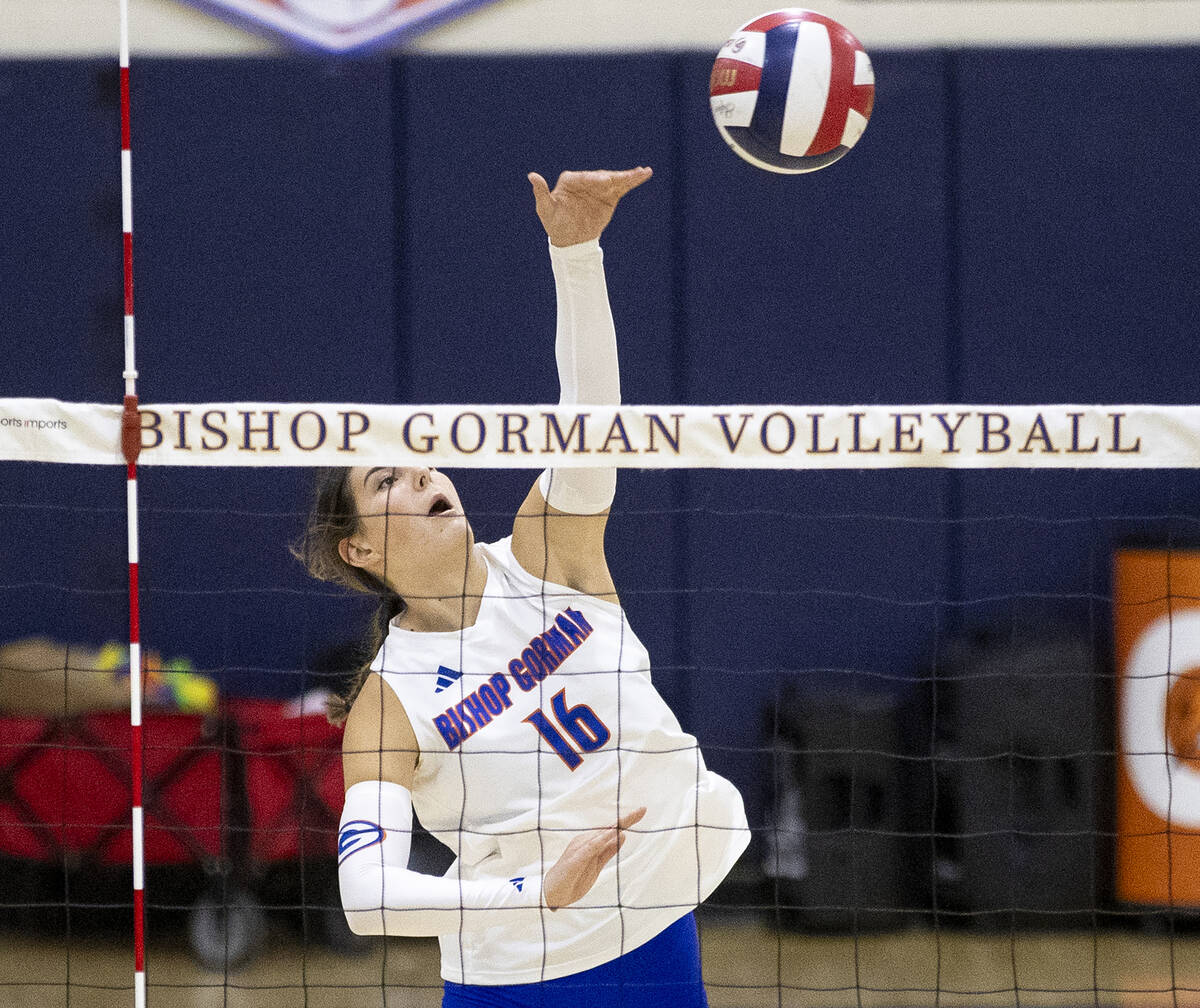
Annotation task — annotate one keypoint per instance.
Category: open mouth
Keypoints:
(439, 506)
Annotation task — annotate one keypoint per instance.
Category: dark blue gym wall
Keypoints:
(1014, 226)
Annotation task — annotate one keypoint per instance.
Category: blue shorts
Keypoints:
(664, 971)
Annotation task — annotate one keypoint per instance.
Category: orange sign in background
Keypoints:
(1156, 614)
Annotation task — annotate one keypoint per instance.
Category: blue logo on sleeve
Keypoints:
(357, 835)
(518, 882)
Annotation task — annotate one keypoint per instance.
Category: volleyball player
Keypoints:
(510, 706)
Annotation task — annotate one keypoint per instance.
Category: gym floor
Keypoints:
(746, 965)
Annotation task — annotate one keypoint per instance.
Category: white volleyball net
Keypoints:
(947, 653)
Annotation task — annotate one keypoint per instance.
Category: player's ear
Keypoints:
(355, 551)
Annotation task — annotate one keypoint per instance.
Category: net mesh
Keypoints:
(966, 744)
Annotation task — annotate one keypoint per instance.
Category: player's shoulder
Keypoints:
(376, 704)
(365, 704)
(378, 741)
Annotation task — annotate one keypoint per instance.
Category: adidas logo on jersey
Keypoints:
(446, 677)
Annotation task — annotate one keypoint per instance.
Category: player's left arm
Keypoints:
(558, 533)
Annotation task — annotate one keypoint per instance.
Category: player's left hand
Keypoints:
(581, 203)
(573, 874)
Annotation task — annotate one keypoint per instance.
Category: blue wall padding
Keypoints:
(1014, 226)
(263, 230)
(60, 255)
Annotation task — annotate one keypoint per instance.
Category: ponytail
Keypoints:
(337, 707)
(332, 518)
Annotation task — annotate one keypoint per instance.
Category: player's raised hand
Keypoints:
(573, 874)
(581, 203)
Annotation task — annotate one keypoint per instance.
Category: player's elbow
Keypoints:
(364, 916)
(359, 887)
(364, 922)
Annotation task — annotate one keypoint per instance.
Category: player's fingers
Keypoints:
(607, 850)
(611, 840)
(616, 184)
(584, 848)
(604, 845)
(541, 191)
(631, 818)
(605, 837)
(618, 181)
(632, 178)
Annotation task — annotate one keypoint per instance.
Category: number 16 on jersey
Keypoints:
(580, 722)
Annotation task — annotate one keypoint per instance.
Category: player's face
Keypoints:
(410, 520)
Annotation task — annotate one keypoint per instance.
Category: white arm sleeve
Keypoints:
(381, 896)
(585, 348)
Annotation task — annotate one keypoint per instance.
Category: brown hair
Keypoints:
(332, 517)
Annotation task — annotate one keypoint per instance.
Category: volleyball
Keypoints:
(791, 91)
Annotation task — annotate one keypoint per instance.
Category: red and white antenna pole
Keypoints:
(130, 446)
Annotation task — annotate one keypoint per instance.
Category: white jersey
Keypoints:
(534, 724)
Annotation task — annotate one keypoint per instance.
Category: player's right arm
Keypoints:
(558, 534)
(379, 743)
(380, 895)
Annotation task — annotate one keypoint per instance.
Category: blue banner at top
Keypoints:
(340, 25)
